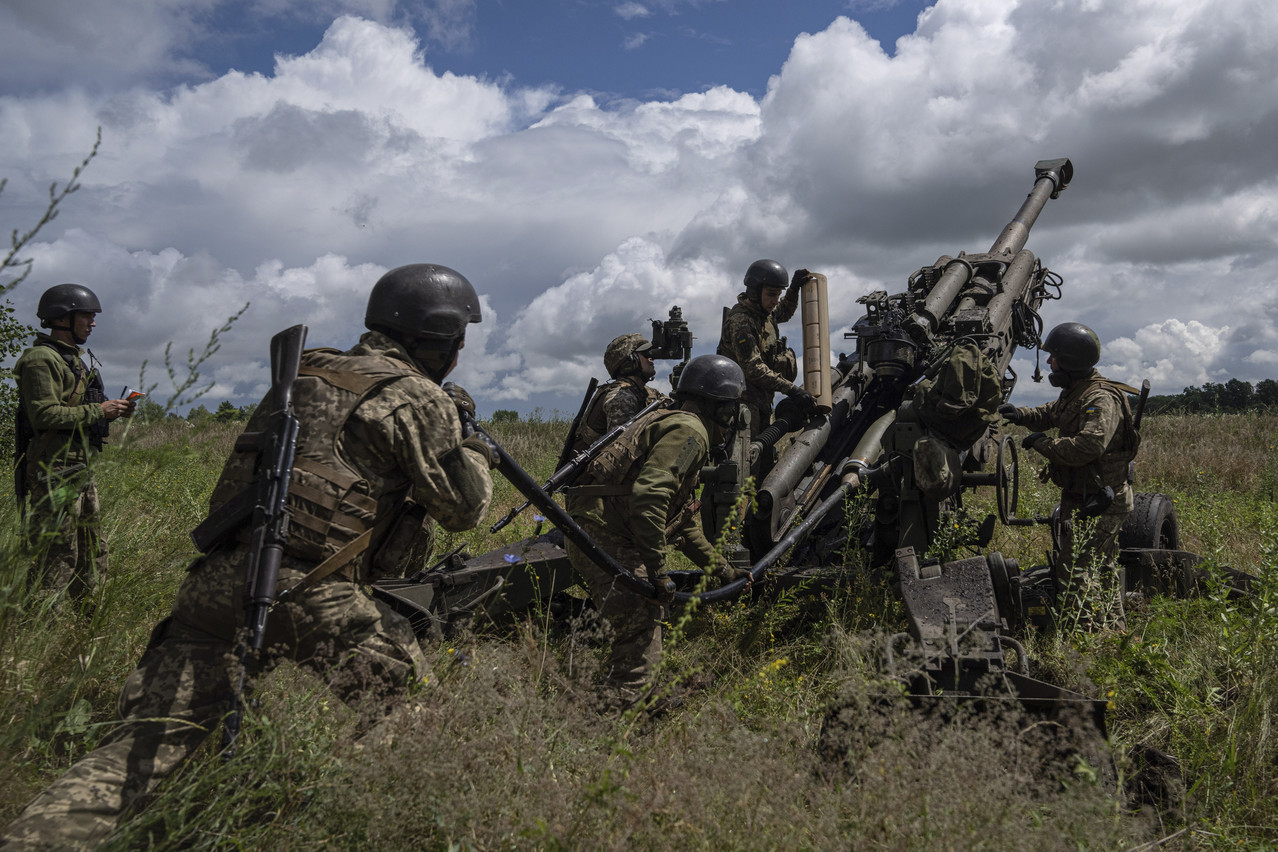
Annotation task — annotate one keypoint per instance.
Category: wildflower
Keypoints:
(511, 558)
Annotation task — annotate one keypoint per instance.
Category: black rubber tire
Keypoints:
(1152, 524)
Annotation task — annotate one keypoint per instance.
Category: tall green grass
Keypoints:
(502, 748)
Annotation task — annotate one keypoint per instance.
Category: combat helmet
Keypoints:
(619, 357)
(764, 273)
(713, 377)
(63, 299)
(1074, 346)
(423, 304)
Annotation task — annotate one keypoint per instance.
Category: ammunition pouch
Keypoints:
(785, 361)
(94, 394)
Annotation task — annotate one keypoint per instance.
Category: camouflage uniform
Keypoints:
(636, 502)
(752, 339)
(402, 439)
(613, 404)
(53, 384)
(1095, 444)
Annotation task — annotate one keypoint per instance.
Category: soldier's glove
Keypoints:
(800, 395)
(797, 279)
(726, 572)
(665, 588)
(481, 443)
(461, 399)
(1010, 413)
(1031, 439)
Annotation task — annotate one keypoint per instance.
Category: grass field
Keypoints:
(502, 751)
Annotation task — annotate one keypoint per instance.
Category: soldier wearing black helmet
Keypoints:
(62, 421)
(1090, 460)
(631, 368)
(637, 501)
(751, 337)
(380, 458)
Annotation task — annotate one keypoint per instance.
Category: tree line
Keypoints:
(1232, 397)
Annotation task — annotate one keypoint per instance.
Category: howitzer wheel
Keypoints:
(1152, 523)
(1007, 488)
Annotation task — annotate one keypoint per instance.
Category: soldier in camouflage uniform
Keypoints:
(62, 420)
(636, 501)
(631, 368)
(751, 337)
(1090, 459)
(380, 444)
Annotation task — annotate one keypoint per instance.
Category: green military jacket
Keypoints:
(1096, 438)
(752, 339)
(649, 504)
(51, 396)
(613, 404)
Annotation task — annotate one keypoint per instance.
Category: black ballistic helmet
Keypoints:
(423, 302)
(64, 299)
(713, 377)
(1075, 347)
(765, 273)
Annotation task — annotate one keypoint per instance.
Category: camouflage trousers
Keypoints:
(634, 621)
(1089, 580)
(180, 691)
(66, 535)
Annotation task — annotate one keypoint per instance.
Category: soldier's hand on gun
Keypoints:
(114, 408)
(1031, 439)
(460, 398)
(1010, 413)
(482, 443)
(727, 572)
(800, 395)
(663, 584)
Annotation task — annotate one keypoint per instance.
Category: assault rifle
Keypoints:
(265, 504)
(573, 467)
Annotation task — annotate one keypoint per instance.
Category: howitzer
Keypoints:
(265, 504)
(573, 467)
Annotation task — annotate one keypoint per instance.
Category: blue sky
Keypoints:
(620, 49)
(587, 165)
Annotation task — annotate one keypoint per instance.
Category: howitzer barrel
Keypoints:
(791, 467)
(1014, 281)
(1050, 179)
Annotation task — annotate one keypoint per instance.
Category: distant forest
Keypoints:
(1234, 396)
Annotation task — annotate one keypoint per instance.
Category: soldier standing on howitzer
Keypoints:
(630, 365)
(380, 452)
(62, 421)
(751, 337)
(636, 500)
(1090, 459)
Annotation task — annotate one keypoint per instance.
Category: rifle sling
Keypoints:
(353, 550)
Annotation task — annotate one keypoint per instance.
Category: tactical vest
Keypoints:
(595, 424)
(1114, 464)
(331, 502)
(615, 469)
